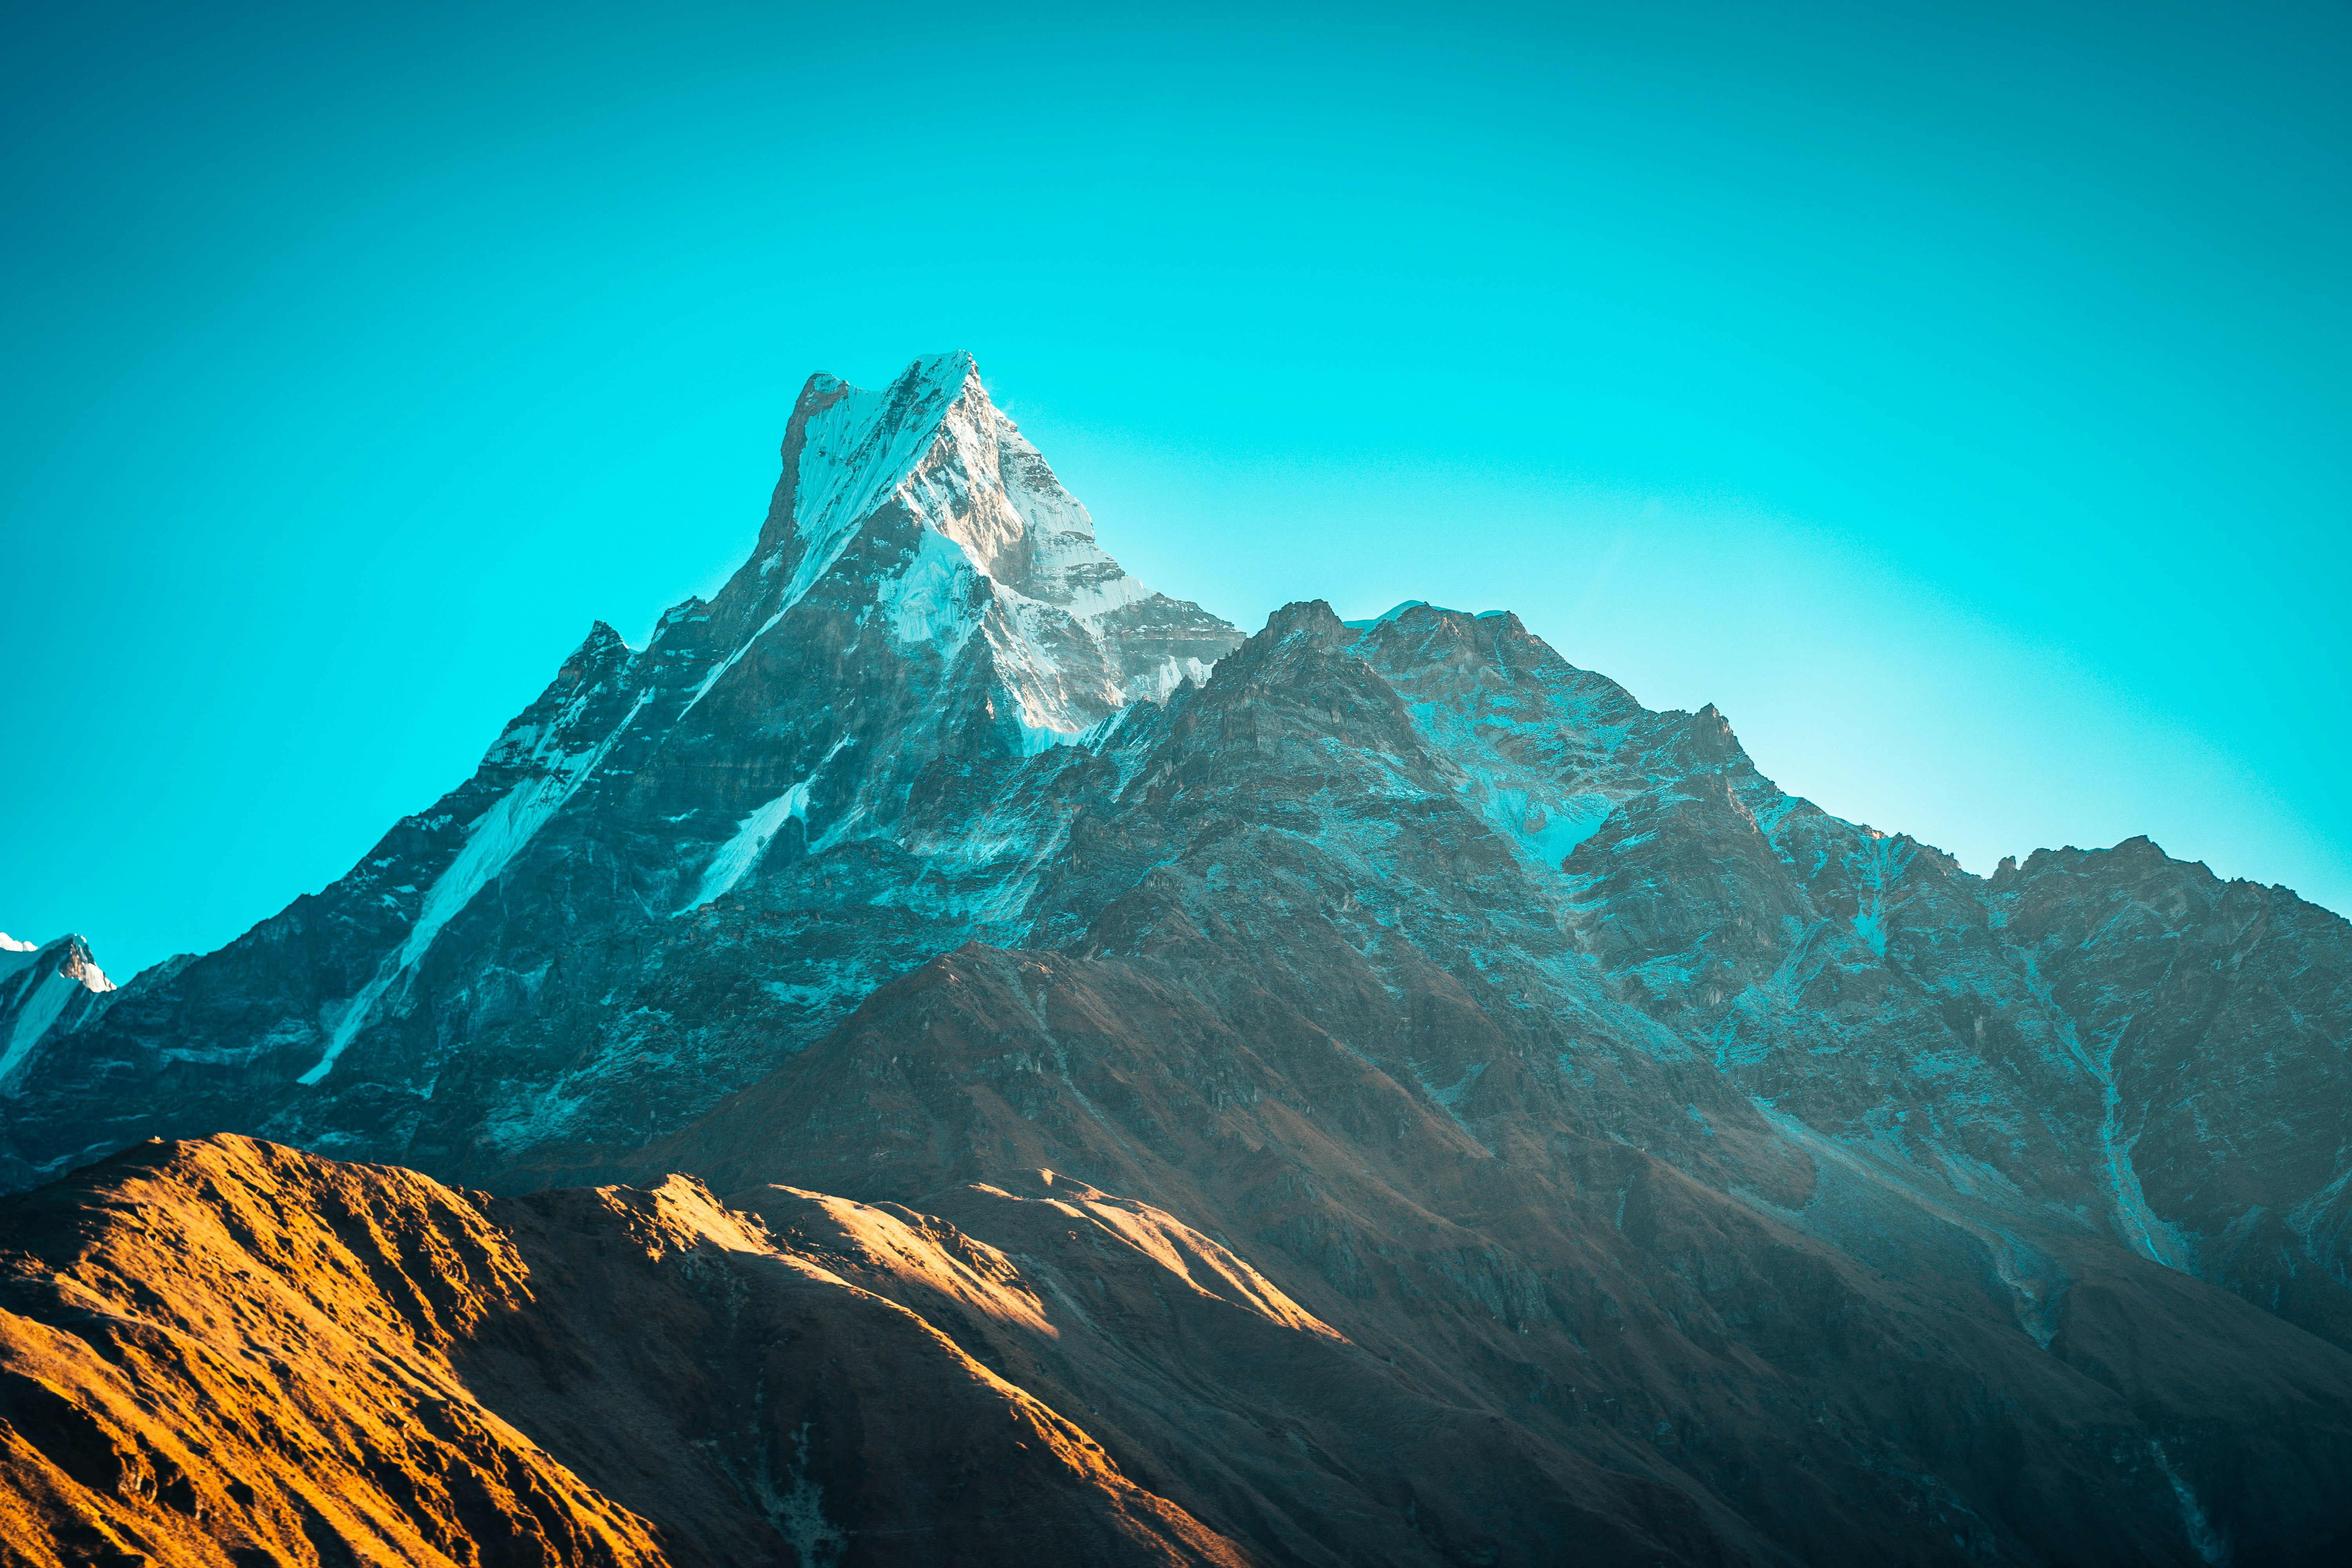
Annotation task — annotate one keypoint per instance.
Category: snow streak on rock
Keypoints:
(492, 842)
(1521, 1034)
(739, 854)
(37, 986)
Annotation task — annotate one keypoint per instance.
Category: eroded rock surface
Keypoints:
(1619, 1151)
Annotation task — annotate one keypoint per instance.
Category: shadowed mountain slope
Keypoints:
(1621, 1153)
(925, 613)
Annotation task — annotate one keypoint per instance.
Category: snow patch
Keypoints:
(799, 1513)
(40, 997)
(847, 984)
(49, 999)
(528, 1121)
(2034, 1283)
(930, 601)
(1870, 926)
(1545, 833)
(2143, 1230)
(2194, 1522)
(724, 665)
(739, 855)
(1166, 677)
(1888, 859)
(1452, 1097)
(492, 841)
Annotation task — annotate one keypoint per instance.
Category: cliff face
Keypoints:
(1519, 1126)
(1618, 1150)
(559, 951)
(53, 988)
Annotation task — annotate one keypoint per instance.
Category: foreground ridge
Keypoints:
(282, 1359)
(1577, 1143)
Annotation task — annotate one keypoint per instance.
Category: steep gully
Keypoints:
(1369, 1093)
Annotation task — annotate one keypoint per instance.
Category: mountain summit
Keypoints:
(975, 536)
(1368, 1092)
(926, 608)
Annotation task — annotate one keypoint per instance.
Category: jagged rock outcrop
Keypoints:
(53, 988)
(1738, 1179)
(924, 613)
(1326, 1008)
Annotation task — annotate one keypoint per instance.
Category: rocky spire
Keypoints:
(924, 502)
(43, 987)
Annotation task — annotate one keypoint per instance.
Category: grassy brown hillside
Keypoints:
(229, 1354)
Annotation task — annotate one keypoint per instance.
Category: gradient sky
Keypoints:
(1958, 398)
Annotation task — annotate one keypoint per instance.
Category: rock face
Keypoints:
(1587, 1145)
(925, 613)
(43, 989)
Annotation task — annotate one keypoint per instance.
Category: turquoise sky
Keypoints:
(1956, 395)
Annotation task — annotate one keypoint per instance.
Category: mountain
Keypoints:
(1603, 1149)
(44, 987)
(926, 614)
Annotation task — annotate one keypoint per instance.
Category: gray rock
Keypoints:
(1531, 1038)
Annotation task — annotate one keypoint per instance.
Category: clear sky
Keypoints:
(1954, 395)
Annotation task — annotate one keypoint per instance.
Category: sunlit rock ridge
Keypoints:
(1697, 1176)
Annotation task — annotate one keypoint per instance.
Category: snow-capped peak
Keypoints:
(847, 451)
(997, 545)
(935, 444)
(42, 987)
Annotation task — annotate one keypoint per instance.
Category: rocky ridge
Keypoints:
(231, 1352)
(1527, 1041)
(53, 988)
(926, 611)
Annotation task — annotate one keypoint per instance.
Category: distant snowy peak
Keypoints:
(848, 453)
(71, 957)
(44, 987)
(919, 512)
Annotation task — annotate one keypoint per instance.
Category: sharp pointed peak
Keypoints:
(69, 955)
(941, 374)
(847, 447)
(948, 370)
(602, 646)
(600, 638)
